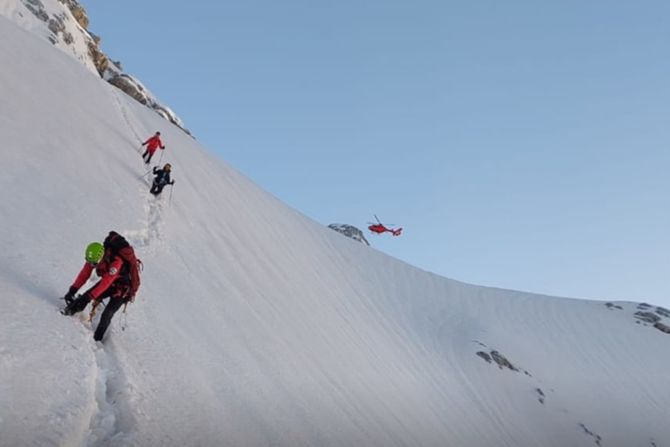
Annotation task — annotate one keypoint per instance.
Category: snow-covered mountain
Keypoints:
(257, 326)
(64, 23)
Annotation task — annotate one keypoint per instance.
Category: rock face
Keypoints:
(64, 23)
(135, 89)
(350, 231)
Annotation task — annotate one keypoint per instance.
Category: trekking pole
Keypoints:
(161, 159)
(144, 175)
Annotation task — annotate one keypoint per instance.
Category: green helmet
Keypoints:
(94, 252)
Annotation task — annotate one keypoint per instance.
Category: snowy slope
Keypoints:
(256, 326)
(53, 21)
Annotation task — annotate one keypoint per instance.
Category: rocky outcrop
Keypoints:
(136, 90)
(56, 25)
(647, 317)
(499, 359)
(37, 8)
(99, 58)
(78, 12)
(66, 26)
(129, 87)
(350, 231)
(596, 437)
(662, 327)
(495, 356)
(612, 306)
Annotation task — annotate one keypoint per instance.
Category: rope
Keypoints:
(124, 322)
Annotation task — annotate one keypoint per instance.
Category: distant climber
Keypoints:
(152, 145)
(162, 179)
(115, 263)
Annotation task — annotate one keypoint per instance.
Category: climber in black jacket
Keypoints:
(162, 179)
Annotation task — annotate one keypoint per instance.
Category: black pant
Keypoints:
(157, 188)
(144, 155)
(110, 309)
(113, 305)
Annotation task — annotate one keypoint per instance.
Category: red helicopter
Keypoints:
(379, 228)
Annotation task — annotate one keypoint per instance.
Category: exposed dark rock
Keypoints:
(613, 306)
(662, 327)
(60, 23)
(350, 231)
(662, 311)
(56, 25)
(643, 306)
(597, 438)
(540, 394)
(502, 361)
(99, 58)
(648, 317)
(37, 8)
(67, 38)
(129, 87)
(485, 356)
(78, 12)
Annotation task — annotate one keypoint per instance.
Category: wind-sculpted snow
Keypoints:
(256, 326)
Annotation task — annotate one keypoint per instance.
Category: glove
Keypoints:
(86, 297)
(172, 182)
(77, 305)
(69, 296)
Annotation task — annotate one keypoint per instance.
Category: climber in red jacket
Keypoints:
(152, 145)
(115, 263)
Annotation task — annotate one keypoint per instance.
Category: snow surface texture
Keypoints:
(53, 21)
(256, 326)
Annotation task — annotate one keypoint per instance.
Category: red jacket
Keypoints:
(154, 143)
(109, 272)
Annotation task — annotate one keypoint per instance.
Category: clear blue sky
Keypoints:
(521, 144)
